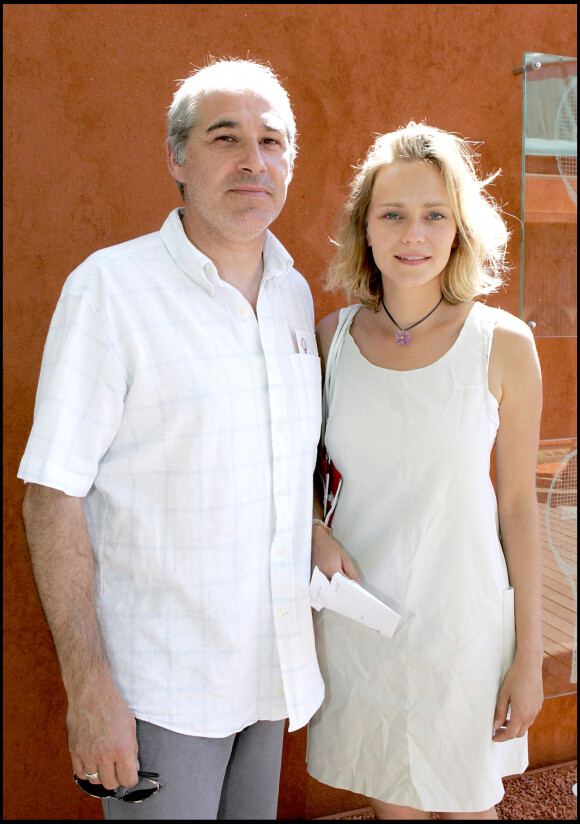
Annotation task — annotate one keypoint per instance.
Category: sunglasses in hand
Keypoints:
(147, 786)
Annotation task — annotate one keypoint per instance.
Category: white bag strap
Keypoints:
(344, 321)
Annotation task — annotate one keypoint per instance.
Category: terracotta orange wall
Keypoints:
(86, 92)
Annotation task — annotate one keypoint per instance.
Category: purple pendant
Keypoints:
(402, 337)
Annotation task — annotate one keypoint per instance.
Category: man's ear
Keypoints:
(175, 170)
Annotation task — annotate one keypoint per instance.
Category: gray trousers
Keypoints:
(208, 778)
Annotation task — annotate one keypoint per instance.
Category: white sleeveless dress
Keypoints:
(408, 720)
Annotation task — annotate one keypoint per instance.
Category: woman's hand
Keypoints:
(522, 688)
(329, 556)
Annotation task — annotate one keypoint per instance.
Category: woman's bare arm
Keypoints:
(515, 379)
(327, 553)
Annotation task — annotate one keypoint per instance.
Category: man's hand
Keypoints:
(102, 738)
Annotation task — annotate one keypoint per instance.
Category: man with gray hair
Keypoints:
(169, 469)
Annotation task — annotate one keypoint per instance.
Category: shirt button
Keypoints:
(281, 551)
(241, 310)
(282, 612)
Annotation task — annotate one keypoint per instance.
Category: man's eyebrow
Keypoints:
(223, 124)
(233, 124)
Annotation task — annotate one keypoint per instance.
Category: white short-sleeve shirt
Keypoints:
(189, 427)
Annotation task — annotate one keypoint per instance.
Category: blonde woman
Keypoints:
(428, 379)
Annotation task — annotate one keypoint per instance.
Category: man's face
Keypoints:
(237, 168)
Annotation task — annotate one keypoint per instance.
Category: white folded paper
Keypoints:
(348, 598)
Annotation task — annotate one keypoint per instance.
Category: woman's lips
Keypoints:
(412, 260)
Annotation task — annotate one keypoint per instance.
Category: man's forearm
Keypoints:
(101, 728)
(63, 567)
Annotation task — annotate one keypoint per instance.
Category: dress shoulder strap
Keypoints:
(486, 319)
(345, 319)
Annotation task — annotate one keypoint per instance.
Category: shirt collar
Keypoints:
(277, 261)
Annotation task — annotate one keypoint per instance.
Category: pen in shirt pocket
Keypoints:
(306, 342)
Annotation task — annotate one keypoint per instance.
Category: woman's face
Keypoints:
(410, 224)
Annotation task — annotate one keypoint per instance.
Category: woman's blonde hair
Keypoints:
(476, 264)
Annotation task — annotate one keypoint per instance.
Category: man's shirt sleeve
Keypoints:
(79, 402)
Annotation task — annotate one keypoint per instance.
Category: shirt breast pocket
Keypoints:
(307, 377)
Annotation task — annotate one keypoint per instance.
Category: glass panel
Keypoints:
(549, 211)
(556, 476)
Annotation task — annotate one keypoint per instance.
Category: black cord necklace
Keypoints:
(403, 336)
